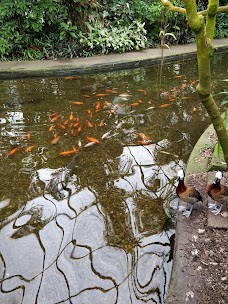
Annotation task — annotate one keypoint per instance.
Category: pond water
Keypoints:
(96, 223)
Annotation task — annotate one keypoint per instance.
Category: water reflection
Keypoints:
(98, 228)
(90, 245)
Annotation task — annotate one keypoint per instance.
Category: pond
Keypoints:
(88, 171)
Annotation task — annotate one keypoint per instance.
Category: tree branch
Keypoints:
(221, 9)
(173, 8)
(212, 9)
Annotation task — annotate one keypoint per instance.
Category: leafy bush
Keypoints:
(114, 38)
(39, 29)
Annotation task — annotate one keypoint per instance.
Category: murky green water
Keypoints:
(102, 232)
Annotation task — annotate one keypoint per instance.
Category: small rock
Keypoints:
(189, 295)
(200, 231)
(195, 252)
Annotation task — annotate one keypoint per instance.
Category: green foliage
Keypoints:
(114, 38)
(39, 29)
(221, 26)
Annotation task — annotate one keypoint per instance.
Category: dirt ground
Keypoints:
(200, 272)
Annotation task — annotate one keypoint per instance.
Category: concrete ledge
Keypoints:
(100, 64)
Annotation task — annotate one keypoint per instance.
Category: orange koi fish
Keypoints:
(101, 95)
(112, 91)
(72, 77)
(29, 149)
(90, 113)
(179, 76)
(72, 133)
(91, 139)
(77, 102)
(12, 152)
(52, 114)
(89, 124)
(51, 128)
(97, 106)
(135, 104)
(55, 118)
(29, 135)
(70, 152)
(101, 124)
(62, 126)
(75, 125)
(71, 116)
(55, 140)
(86, 96)
(142, 91)
(143, 136)
(165, 105)
(79, 128)
(194, 81)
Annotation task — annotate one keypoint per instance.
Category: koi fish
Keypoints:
(90, 113)
(79, 128)
(125, 94)
(77, 102)
(70, 152)
(97, 105)
(71, 116)
(150, 108)
(142, 91)
(101, 124)
(135, 104)
(29, 149)
(101, 95)
(12, 152)
(72, 133)
(52, 114)
(62, 126)
(165, 105)
(106, 134)
(55, 140)
(55, 118)
(79, 144)
(51, 128)
(91, 139)
(89, 124)
(143, 136)
(111, 91)
(90, 144)
(86, 96)
(29, 135)
(194, 81)
(179, 76)
(72, 77)
(75, 125)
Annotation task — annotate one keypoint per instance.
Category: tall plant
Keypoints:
(203, 24)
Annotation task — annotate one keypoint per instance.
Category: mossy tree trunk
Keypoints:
(203, 24)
